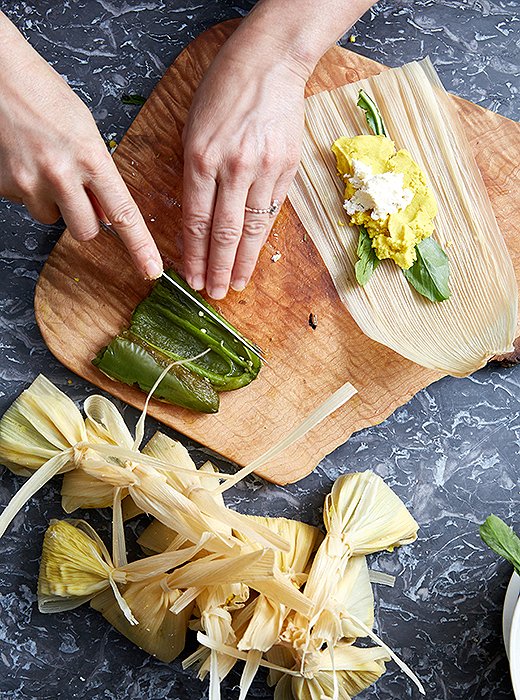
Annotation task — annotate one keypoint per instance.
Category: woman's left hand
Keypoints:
(242, 145)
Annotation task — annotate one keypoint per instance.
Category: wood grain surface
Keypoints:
(86, 292)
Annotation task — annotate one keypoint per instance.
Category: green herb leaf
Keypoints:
(133, 99)
(502, 540)
(368, 260)
(372, 113)
(430, 272)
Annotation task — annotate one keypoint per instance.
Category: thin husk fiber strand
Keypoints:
(456, 336)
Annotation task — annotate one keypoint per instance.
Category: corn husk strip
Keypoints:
(56, 465)
(254, 530)
(139, 428)
(223, 570)
(104, 423)
(283, 591)
(185, 599)
(162, 563)
(232, 651)
(159, 632)
(402, 665)
(335, 401)
(254, 658)
(457, 336)
(118, 531)
(379, 577)
(144, 460)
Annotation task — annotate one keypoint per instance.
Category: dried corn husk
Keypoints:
(361, 515)
(159, 632)
(215, 604)
(265, 625)
(75, 566)
(456, 336)
(41, 435)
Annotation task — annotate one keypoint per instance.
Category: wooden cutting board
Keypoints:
(86, 292)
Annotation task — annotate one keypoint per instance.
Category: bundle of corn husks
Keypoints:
(268, 591)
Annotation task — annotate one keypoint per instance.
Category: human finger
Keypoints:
(255, 230)
(43, 209)
(226, 232)
(198, 202)
(79, 215)
(116, 201)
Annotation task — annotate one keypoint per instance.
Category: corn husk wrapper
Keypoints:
(456, 336)
(353, 593)
(215, 605)
(266, 622)
(105, 425)
(76, 565)
(362, 515)
(159, 632)
(356, 669)
(42, 434)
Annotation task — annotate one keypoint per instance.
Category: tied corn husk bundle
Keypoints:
(247, 585)
(236, 602)
(43, 434)
(478, 321)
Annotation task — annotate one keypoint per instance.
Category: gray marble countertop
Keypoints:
(451, 453)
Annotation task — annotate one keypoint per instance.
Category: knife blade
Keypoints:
(108, 228)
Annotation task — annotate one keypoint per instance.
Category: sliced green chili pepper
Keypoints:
(166, 327)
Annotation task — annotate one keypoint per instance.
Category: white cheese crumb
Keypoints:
(383, 193)
(203, 330)
(201, 313)
(276, 256)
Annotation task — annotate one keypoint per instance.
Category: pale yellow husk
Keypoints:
(159, 632)
(457, 336)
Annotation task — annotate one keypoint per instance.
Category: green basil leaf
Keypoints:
(430, 273)
(368, 260)
(372, 113)
(502, 540)
(133, 99)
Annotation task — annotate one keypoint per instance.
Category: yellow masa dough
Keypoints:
(396, 235)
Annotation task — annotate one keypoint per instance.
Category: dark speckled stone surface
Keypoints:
(451, 453)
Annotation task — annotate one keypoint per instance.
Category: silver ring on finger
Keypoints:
(272, 210)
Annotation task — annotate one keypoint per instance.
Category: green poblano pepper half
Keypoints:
(167, 327)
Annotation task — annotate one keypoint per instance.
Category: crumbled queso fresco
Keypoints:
(381, 193)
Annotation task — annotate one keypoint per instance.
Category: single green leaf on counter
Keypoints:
(368, 260)
(132, 99)
(429, 275)
(502, 540)
(372, 113)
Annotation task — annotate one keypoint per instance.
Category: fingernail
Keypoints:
(196, 282)
(239, 285)
(217, 292)
(153, 268)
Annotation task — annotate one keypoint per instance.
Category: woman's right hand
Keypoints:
(52, 156)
